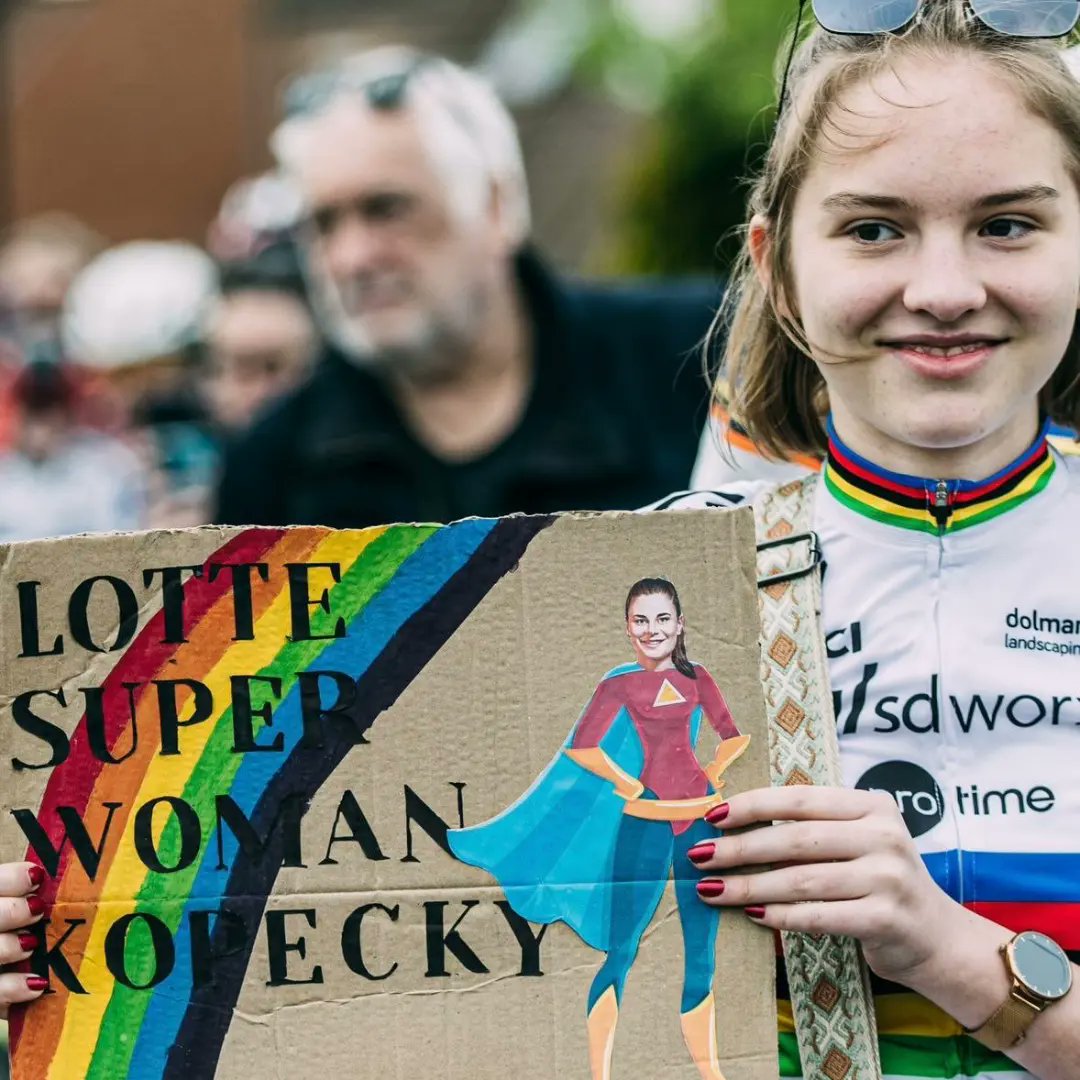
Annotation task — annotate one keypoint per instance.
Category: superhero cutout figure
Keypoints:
(597, 835)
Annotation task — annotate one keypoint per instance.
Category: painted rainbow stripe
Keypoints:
(905, 501)
(403, 592)
(1019, 891)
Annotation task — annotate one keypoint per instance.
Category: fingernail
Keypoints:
(710, 888)
(27, 942)
(717, 813)
(702, 852)
(36, 982)
(36, 905)
(755, 911)
(36, 875)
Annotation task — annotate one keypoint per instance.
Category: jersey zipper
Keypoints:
(941, 505)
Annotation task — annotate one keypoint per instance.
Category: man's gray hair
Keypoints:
(468, 131)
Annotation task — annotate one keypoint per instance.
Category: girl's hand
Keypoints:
(20, 910)
(843, 863)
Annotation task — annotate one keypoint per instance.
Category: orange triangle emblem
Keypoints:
(668, 695)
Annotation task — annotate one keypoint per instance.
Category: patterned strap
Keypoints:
(830, 990)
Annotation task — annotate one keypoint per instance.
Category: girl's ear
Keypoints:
(760, 243)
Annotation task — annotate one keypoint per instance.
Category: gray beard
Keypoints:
(436, 352)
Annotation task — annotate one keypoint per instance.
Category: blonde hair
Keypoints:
(777, 393)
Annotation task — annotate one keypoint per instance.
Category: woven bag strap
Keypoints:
(830, 990)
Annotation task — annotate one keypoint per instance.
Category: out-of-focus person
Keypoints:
(259, 338)
(59, 477)
(462, 376)
(39, 259)
(133, 318)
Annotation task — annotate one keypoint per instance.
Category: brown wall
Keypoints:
(128, 113)
(137, 115)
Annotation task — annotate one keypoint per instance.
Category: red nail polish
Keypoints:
(36, 875)
(710, 888)
(27, 941)
(755, 911)
(36, 982)
(718, 813)
(702, 852)
(36, 905)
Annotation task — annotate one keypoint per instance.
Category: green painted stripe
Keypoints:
(165, 896)
(917, 1056)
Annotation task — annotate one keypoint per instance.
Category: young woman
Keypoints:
(908, 309)
(629, 769)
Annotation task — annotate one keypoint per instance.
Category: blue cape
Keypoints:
(553, 850)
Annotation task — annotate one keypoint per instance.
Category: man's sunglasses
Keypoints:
(309, 93)
(1015, 18)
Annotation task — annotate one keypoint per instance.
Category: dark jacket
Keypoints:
(612, 422)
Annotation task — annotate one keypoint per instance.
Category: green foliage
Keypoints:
(682, 192)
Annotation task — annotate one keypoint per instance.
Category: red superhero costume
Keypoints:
(660, 705)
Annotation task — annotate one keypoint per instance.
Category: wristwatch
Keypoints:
(1041, 974)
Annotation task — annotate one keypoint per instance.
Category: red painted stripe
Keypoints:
(1058, 921)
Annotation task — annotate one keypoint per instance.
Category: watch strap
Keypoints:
(1009, 1024)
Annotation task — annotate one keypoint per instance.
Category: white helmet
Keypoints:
(136, 302)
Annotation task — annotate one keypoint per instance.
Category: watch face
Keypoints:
(1041, 965)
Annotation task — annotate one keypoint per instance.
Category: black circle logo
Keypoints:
(913, 789)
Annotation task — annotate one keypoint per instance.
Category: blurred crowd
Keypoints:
(368, 333)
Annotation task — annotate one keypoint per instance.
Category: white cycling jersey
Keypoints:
(952, 615)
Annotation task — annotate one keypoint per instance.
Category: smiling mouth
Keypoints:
(945, 351)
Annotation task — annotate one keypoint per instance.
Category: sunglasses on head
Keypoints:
(310, 93)
(1016, 18)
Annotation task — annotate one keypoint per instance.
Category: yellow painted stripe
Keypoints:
(84, 1013)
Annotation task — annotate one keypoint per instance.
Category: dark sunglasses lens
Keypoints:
(864, 16)
(1028, 18)
(386, 92)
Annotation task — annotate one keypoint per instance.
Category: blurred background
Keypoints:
(137, 190)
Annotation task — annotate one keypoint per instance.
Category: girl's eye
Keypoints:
(873, 232)
(1008, 228)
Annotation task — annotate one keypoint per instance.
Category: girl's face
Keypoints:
(653, 629)
(935, 255)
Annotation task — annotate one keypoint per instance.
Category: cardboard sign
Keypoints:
(406, 802)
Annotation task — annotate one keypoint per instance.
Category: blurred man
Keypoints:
(462, 377)
(259, 340)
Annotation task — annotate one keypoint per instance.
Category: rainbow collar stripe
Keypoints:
(403, 592)
(934, 506)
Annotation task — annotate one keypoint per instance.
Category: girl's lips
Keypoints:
(936, 365)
